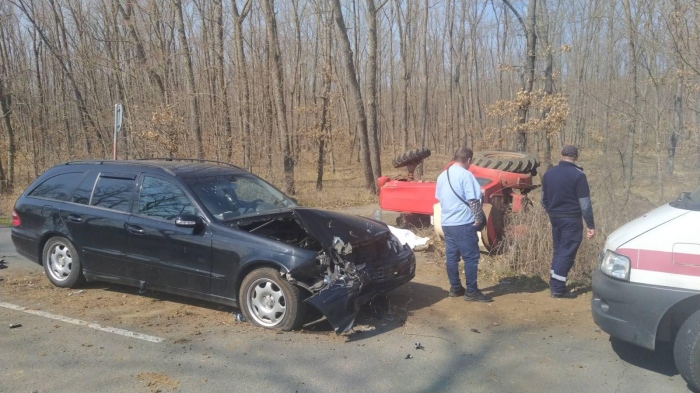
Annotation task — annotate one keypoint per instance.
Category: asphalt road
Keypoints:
(49, 355)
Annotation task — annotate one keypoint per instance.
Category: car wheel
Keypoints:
(507, 161)
(686, 350)
(411, 157)
(270, 301)
(62, 263)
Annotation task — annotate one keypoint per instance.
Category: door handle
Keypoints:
(135, 229)
(75, 218)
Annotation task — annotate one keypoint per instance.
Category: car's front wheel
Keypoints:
(62, 263)
(270, 301)
(686, 350)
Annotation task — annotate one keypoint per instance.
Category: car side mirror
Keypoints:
(189, 221)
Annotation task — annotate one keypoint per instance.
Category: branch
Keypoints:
(517, 15)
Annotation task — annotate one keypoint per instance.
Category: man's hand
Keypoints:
(590, 233)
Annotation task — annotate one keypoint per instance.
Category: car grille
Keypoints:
(372, 252)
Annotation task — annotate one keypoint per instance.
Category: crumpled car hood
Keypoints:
(326, 226)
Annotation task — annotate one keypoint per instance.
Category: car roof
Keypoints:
(180, 167)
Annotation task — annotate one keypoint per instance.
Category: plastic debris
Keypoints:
(409, 356)
(474, 330)
(76, 292)
(418, 345)
(238, 316)
(15, 325)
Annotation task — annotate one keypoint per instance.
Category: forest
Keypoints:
(280, 87)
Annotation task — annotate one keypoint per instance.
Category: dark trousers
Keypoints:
(461, 241)
(567, 233)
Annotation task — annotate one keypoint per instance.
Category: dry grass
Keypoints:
(528, 249)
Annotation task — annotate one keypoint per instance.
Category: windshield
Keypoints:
(228, 197)
(688, 200)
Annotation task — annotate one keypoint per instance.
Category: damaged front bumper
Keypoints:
(341, 299)
(356, 259)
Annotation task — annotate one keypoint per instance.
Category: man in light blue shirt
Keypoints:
(459, 195)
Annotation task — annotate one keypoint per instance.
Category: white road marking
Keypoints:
(79, 322)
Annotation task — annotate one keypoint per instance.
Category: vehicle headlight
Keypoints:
(395, 244)
(615, 265)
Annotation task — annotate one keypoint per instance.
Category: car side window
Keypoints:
(82, 194)
(163, 199)
(58, 187)
(113, 192)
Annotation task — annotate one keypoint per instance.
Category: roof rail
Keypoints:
(117, 162)
(78, 162)
(188, 160)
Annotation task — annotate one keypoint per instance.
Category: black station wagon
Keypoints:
(210, 231)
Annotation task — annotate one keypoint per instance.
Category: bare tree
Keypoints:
(531, 47)
(405, 37)
(548, 77)
(370, 183)
(628, 156)
(372, 96)
(327, 72)
(277, 74)
(242, 74)
(194, 100)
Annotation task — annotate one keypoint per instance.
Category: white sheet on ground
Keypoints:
(407, 237)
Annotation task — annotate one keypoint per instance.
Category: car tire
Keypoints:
(507, 161)
(686, 351)
(411, 157)
(62, 263)
(270, 301)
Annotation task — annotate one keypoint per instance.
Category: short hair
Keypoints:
(463, 154)
(569, 151)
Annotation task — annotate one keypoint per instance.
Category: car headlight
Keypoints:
(395, 244)
(615, 265)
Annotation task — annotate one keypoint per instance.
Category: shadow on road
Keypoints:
(516, 284)
(388, 312)
(658, 361)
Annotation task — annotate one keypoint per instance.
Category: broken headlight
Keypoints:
(615, 265)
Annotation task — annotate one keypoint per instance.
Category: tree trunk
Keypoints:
(548, 81)
(324, 124)
(531, 56)
(243, 87)
(277, 74)
(194, 101)
(370, 183)
(404, 38)
(628, 157)
(7, 180)
(372, 98)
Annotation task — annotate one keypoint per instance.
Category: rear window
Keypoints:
(58, 187)
(82, 194)
(113, 192)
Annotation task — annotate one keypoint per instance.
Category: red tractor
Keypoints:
(505, 178)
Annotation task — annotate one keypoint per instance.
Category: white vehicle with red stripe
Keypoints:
(647, 288)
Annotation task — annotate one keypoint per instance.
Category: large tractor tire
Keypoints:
(411, 157)
(489, 238)
(507, 161)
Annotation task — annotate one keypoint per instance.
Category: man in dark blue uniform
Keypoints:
(566, 198)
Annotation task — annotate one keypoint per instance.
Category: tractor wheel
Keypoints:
(507, 161)
(411, 157)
